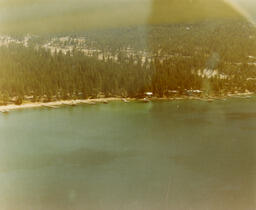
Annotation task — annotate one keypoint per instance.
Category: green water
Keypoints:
(179, 155)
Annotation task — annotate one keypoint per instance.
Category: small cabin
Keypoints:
(28, 98)
(171, 93)
(149, 94)
(192, 92)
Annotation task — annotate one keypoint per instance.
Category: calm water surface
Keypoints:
(179, 155)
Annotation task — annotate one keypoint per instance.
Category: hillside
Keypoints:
(212, 58)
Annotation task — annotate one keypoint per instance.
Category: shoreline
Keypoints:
(57, 104)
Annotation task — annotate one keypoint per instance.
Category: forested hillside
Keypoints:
(213, 57)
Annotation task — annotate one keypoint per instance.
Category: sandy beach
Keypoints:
(56, 104)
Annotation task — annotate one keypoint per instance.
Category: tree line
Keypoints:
(29, 73)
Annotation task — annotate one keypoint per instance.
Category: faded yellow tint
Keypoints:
(189, 11)
(65, 16)
(45, 16)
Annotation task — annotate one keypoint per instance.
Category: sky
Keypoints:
(60, 15)
(46, 16)
(246, 7)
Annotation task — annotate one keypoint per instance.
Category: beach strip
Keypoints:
(56, 104)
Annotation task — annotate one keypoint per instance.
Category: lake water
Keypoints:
(178, 155)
